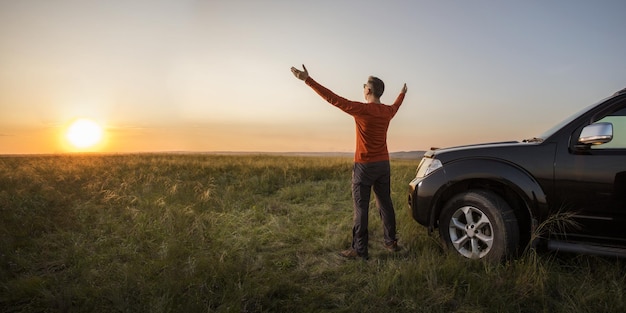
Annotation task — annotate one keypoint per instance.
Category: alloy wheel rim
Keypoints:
(471, 232)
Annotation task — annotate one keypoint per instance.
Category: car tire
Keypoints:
(479, 224)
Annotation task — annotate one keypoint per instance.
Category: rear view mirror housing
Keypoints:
(596, 134)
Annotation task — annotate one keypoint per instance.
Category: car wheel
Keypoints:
(479, 225)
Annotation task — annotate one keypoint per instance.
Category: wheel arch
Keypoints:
(515, 185)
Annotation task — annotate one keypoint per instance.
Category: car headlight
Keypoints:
(427, 166)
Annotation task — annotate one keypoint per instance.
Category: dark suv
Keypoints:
(565, 189)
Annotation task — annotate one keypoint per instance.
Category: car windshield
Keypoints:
(566, 121)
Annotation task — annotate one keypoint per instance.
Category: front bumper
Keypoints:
(419, 208)
(423, 197)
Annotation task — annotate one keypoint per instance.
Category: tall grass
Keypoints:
(254, 233)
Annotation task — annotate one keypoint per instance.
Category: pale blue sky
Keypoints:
(214, 75)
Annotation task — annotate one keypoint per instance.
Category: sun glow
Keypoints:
(84, 133)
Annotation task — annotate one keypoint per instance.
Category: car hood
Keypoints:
(482, 149)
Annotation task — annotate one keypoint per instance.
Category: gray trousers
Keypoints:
(365, 177)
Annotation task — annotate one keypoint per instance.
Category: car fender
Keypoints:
(466, 171)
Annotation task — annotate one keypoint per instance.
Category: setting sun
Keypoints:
(84, 133)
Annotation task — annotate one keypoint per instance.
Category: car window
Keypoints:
(618, 119)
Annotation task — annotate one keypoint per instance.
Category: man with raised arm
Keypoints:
(371, 158)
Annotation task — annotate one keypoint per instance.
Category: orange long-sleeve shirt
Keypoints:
(371, 119)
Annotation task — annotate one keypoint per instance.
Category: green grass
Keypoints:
(253, 233)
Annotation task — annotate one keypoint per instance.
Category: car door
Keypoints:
(591, 182)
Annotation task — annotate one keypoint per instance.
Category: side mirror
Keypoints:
(596, 134)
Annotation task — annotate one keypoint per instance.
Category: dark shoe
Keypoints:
(392, 247)
(352, 254)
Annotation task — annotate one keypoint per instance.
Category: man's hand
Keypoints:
(301, 75)
(403, 89)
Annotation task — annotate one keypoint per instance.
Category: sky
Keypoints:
(202, 76)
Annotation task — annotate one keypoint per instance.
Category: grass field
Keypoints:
(248, 233)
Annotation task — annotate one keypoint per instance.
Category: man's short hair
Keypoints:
(378, 87)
